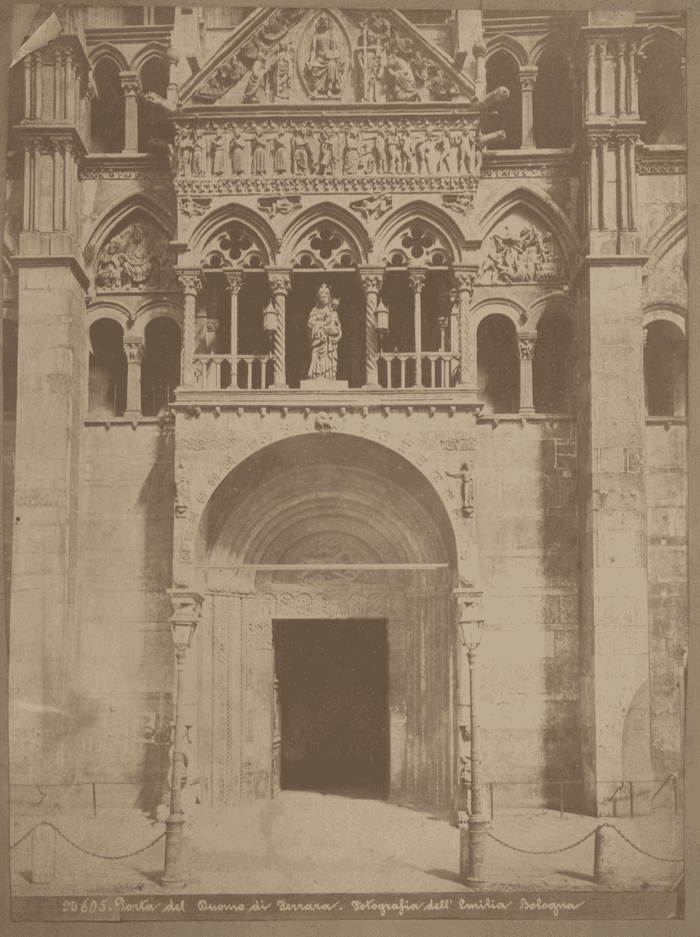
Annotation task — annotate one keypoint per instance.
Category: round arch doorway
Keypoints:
(327, 539)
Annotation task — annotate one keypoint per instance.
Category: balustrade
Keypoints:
(214, 372)
(438, 369)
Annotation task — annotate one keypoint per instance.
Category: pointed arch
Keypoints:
(665, 35)
(215, 223)
(665, 239)
(505, 43)
(149, 51)
(105, 50)
(553, 40)
(353, 230)
(543, 207)
(117, 214)
(416, 212)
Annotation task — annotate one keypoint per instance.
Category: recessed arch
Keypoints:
(213, 225)
(540, 205)
(118, 214)
(666, 35)
(324, 480)
(106, 50)
(151, 50)
(156, 309)
(554, 302)
(355, 235)
(107, 310)
(665, 239)
(504, 43)
(417, 212)
(667, 312)
(544, 44)
(496, 304)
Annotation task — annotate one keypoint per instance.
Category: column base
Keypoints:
(527, 411)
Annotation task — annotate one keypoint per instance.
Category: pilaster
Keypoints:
(614, 642)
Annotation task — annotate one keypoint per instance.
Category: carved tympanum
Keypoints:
(138, 257)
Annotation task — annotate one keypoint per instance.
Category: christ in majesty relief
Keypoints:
(324, 335)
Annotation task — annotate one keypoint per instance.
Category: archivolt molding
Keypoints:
(118, 214)
(389, 234)
(555, 302)
(508, 44)
(440, 442)
(665, 239)
(108, 310)
(543, 45)
(107, 51)
(214, 224)
(665, 312)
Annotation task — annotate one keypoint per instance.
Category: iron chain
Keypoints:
(87, 852)
(540, 852)
(551, 852)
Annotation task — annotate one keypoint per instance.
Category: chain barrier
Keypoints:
(87, 852)
(551, 852)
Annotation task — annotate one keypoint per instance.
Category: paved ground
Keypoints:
(311, 842)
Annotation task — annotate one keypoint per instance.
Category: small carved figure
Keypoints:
(258, 149)
(182, 491)
(236, 152)
(408, 155)
(279, 153)
(467, 486)
(324, 335)
(282, 72)
(327, 160)
(393, 146)
(351, 157)
(324, 69)
(443, 148)
(137, 262)
(367, 165)
(301, 154)
(185, 145)
(109, 275)
(403, 80)
(481, 143)
(466, 151)
(198, 155)
(217, 153)
(422, 150)
(254, 92)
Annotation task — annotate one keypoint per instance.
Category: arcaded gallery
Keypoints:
(340, 336)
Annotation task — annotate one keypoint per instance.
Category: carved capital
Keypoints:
(417, 281)
(595, 141)
(526, 348)
(234, 280)
(190, 281)
(371, 283)
(464, 282)
(280, 283)
(134, 351)
(130, 83)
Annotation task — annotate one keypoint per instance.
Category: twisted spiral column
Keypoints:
(371, 284)
(191, 282)
(280, 283)
(464, 285)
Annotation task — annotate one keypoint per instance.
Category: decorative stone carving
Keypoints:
(182, 490)
(324, 335)
(194, 206)
(134, 351)
(462, 204)
(526, 257)
(279, 204)
(373, 206)
(139, 257)
(526, 348)
(419, 243)
(466, 488)
(322, 59)
(326, 246)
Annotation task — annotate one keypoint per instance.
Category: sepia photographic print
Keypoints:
(345, 464)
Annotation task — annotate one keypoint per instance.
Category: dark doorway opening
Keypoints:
(332, 682)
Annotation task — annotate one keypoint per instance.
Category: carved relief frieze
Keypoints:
(194, 206)
(372, 207)
(319, 155)
(279, 204)
(138, 257)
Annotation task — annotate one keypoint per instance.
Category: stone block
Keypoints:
(614, 409)
(668, 563)
(666, 489)
(619, 611)
(619, 548)
(565, 644)
(665, 447)
(623, 359)
(667, 522)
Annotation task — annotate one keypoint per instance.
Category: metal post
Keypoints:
(176, 821)
(476, 822)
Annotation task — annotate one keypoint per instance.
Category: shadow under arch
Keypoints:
(318, 482)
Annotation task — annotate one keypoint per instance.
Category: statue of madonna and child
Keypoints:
(324, 335)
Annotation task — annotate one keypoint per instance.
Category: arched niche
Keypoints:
(497, 363)
(107, 369)
(665, 368)
(503, 71)
(662, 94)
(107, 111)
(135, 254)
(521, 248)
(152, 124)
(160, 365)
(552, 100)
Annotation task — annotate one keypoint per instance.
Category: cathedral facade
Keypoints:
(334, 331)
